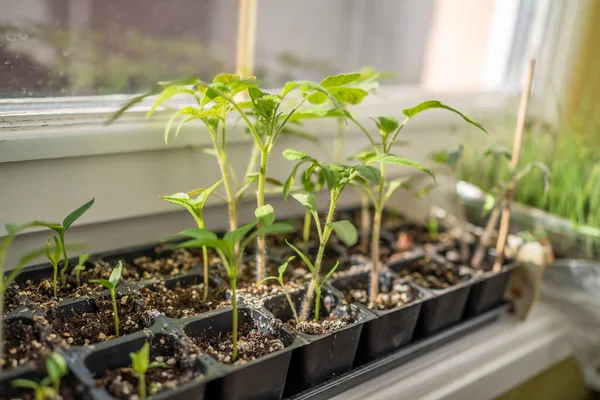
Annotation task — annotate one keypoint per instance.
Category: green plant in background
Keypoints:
(388, 129)
(61, 229)
(140, 363)
(80, 267)
(279, 278)
(54, 260)
(337, 178)
(195, 207)
(231, 246)
(111, 285)
(56, 368)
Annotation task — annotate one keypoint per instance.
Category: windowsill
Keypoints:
(481, 365)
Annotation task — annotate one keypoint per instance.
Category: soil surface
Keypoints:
(252, 344)
(180, 368)
(99, 326)
(389, 297)
(428, 274)
(183, 301)
(65, 393)
(326, 324)
(28, 341)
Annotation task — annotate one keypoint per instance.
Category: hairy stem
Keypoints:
(323, 243)
(234, 322)
(261, 253)
(317, 302)
(142, 385)
(306, 230)
(205, 260)
(114, 301)
(375, 239)
(339, 142)
(365, 221)
(61, 237)
(289, 299)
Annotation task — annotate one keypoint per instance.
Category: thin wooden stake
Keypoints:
(246, 38)
(514, 162)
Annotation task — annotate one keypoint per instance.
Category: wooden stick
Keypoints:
(246, 38)
(485, 238)
(514, 162)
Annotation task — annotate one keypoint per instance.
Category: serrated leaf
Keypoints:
(397, 160)
(369, 173)
(317, 98)
(432, 104)
(115, 275)
(224, 77)
(303, 256)
(307, 199)
(340, 79)
(295, 155)
(363, 156)
(266, 214)
(345, 231)
(331, 177)
(347, 95)
(386, 124)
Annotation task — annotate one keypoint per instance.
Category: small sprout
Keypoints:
(279, 278)
(54, 259)
(80, 267)
(140, 363)
(61, 229)
(111, 284)
(56, 368)
(433, 228)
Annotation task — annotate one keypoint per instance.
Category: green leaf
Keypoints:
(55, 226)
(303, 256)
(295, 155)
(339, 80)
(276, 228)
(369, 173)
(74, 216)
(331, 177)
(268, 278)
(83, 259)
(106, 283)
(331, 271)
(498, 151)
(196, 233)
(12, 229)
(156, 364)
(166, 94)
(186, 110)
(115, 275)
(56, 366)
(203, 195)
(241, 232)
(348, 95)
(364, 156)
(488, 205)
(24, 383)
(345, 231)
(140, 359)
(224, 77)
(317, 98)
(394, 184)
(266, 214)
(283, 267)
(307, 199)
(431, 104)
(386, 124)
(397, 160)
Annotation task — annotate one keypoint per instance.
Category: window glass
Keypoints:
(93, 47)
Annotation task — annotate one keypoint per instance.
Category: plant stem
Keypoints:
(77, 277)
(114, 301)
(375, 239)
(66, 258)
(339, 142)
(261, 254)
(324, 239)
(485, 238)
(234, 322)
(365, 221)
(142, 385)
(317, 302)
(289, 299)
(306, 230)
(39, 393)
(205, 260)
(54, 279)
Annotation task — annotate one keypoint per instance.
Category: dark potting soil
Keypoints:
(183, 301)
(432, 275)
(326, 324)
(179, 358)
(99, 326)
(65, 393)
(252, 344)
(12, 298)
(25, 342)
(387, 299)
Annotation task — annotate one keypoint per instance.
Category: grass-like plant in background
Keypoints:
(49, 386)
(80, 267)
(230, 248)
(140, 363)
(111, 285)
(195, 207)
(380, 154)
(61, 229)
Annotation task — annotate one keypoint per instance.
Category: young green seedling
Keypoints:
(231, 246)
(80, 267)
(388, 130)
(54, 260)
(140, 363)
(279, 278)
(337, 178)
(111, 285)
(56, 368)
(195, 207)
(61, 229)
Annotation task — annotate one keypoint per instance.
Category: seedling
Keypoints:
(54, 260)
(111, 285)
(56, 368)
(61, 229)
(279, 278)
(140, 363)
(388, 129)
(80, 267)
(226, 248)
(337, 178)
(195, 207)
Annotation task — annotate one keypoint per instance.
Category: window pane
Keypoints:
(92, 47)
